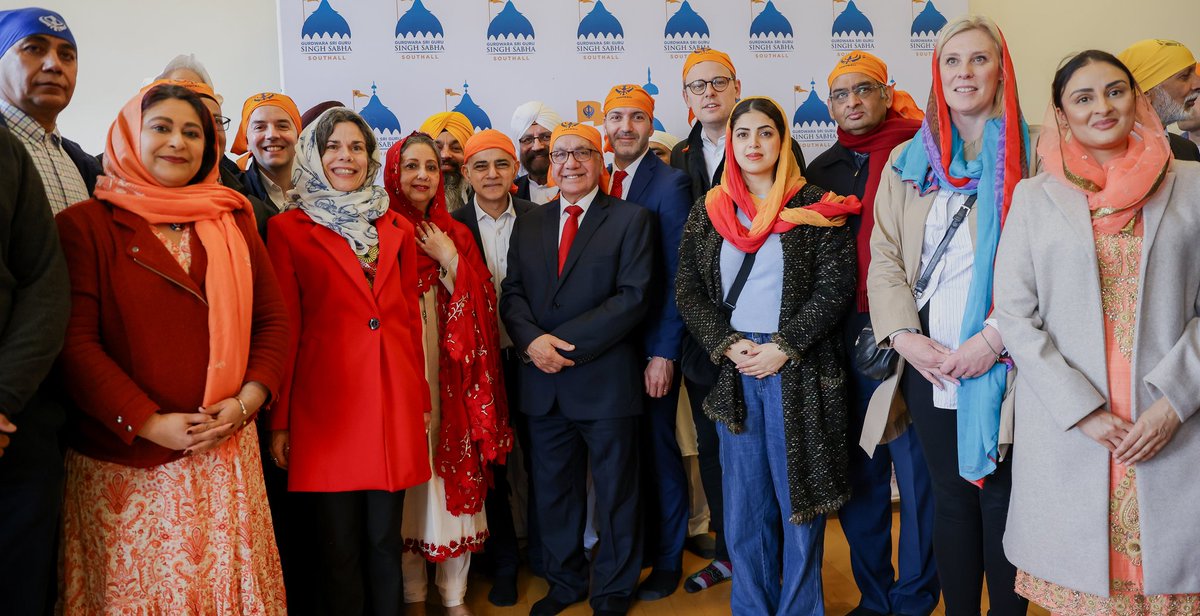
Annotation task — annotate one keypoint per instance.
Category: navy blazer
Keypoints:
(466, 215)
(667, 193)
(597, 305)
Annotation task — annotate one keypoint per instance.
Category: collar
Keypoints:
(25, 126)
(262, 174)
(708, 142)
(631, 170)
(584, 202)
(481, 214)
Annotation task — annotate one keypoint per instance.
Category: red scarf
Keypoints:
(475, 432)
(878, 144)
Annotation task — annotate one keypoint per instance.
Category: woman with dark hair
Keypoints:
(930, 290)
(349, 423)
(444, 520)
(1098, 296)
(782, 246)
(177, 338)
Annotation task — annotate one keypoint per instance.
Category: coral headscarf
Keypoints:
(1116, 190)
(228, 281)
(769, 215)
(474, 433)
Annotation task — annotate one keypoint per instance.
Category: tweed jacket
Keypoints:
(1048, 303)
(818, 285)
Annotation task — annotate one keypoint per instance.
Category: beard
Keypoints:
(536, 164)
(1168, 109)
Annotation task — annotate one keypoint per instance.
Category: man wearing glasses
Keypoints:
(532, 123)
(38, 67)
(873, 118)
(574, 298)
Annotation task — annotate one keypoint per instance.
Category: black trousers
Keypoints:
(709, 449)
(501, 550)
(288, 518)
(969, 522)
(359, 545)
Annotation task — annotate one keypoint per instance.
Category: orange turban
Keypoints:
(858, 61)
(489, 139)
(631, 96)
(457, 124)
(704, 54)
(592, 136)
(262, 99)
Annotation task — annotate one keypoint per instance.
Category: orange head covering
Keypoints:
(858, 61)
(768, 215)
(262, 99)
(457, 124)
(704, 54)
(631, 96)
(229, 281)
(592, 136)
(488, 140)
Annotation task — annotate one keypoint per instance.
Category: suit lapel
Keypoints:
(390, 239)
(1073, 206)
(550, 237)
(595, 215)
(1152, 215)
(641, 179)
(339, 249)
(149, 252)
(472, 222)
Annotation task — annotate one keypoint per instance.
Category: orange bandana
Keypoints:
(262, 99)
(592, 136)
(630, 96)
(862, 62)
(453, 122)
(489, 139)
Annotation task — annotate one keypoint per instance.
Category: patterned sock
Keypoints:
(716, 572)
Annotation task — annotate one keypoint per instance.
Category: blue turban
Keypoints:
(20, 23)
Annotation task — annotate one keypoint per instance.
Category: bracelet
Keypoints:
(241, 404)
(989, 346)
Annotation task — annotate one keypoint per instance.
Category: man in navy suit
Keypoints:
(642, 178)
(574, 298)
(490, 213)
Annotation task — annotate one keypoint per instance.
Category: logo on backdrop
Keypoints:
(510, 33)
(812, 126)
(925, 27)
(419, 34)
(686, 30)
(325, 34)
(851, 27)
(600, 34)
(652, 90)
(588, 112)
(382, 121)
(467, 106)
(770, 32)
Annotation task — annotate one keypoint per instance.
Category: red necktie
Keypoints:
(568, 235)
(618, 185)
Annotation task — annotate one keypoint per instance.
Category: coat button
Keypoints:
(135, 250)
(120, 419)
(373, 323)
(129, 428)
(556, 305)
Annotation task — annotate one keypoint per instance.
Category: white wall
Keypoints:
(123, 42)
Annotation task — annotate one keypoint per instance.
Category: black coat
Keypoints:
(249, 183)
(466, 215)
(1182, 148)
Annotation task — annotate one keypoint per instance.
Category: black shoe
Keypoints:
(702, 545)
(549, 606)
(504, 590)
(659, 584)
(863, 611)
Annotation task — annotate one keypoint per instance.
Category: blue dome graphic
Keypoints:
(600, 23)
(479, 119)
(418, 21)
(658, 125)
(650, 88)
(929, 22)
(686, 22)
(813, 110)
(378, 115)
(852, 21)
(770, 22)
(325, 22)
(509, 22)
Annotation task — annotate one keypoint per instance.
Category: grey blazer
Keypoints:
(1048, 305)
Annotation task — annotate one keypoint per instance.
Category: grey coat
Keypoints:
(1048, 305)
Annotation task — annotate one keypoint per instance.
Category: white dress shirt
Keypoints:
(278, 198)
(541, 194)
(585, 202)
(631, 170)
(946, 294)
(714, 153)
(494, 233)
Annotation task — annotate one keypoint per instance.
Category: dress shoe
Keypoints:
(658, 584)
(504, 590)
(702, 545)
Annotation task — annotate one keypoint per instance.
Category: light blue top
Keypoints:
(758, 306)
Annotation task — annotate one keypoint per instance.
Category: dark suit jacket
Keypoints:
(688, 156)
(522, 185)
(88, 165)
(1182, 148)
(597, 305)
(665, 192)
(467, 216)
(256, 191)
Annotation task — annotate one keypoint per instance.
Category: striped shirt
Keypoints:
(946, 294)
(64, 185)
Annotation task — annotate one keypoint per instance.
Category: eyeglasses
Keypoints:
(543, 139)
(861, 91)
(559, 157)
(221, 121)
(719, 84)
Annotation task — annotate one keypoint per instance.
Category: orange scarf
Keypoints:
(229, 280)
(1116, 190)
(769, 215)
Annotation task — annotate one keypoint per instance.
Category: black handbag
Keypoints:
(876, 363)
(694, 358)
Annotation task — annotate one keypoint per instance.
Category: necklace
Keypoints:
(175, 226)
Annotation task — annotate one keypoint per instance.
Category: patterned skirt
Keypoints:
(192, 536)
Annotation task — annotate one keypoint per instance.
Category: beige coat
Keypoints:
(896, 241)
(1049, 308)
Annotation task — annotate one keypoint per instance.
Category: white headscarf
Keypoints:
(666, 140)
(533, 112)
(349, 214)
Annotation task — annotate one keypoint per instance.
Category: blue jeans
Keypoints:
(776, 564)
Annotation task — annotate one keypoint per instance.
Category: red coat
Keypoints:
(137, 342)
(354, 394)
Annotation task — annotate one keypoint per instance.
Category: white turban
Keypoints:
(533, 112)
(665, 139)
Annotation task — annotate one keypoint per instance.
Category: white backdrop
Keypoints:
(398, 61)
